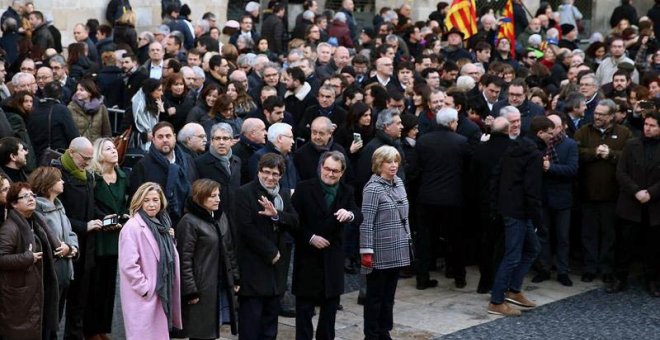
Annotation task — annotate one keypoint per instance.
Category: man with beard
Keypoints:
(133, 77)
(167, 165)
(600, 145)
(13, 155)
(299, 94)
(620, 86)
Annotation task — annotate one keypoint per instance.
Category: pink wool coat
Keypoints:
(144, 318)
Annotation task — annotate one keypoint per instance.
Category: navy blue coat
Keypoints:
(558, 180)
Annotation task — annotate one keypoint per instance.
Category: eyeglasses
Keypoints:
(221, 138)
(332, 171)
(85, 158)
(269, 173)
(27, 196)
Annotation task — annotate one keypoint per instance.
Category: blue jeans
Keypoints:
(521, 247)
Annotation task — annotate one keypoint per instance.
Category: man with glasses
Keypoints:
(385, 75)
(327, 206)
(280, 141)
(220, 164)
(192, 139)
(166, 164)
(253, 138)
(600, 145)
(78, 200)
(263, 213)
(246, 29)
(517, 97)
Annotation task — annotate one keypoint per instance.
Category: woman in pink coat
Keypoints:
(149, 268)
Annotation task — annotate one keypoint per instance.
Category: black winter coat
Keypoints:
(209, 267)
(62, 128)
(260, 239)
(307, 158)
(517, 182)
(110, 81)
(208, 166)
(319, 273)
(482, 165)
(125, 34)
(28, 290)
(182, 105)
(442, 156)
(527, 111)
(637, 170)
(244, 150)
(337, 116)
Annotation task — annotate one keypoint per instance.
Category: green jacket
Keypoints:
(110, 199)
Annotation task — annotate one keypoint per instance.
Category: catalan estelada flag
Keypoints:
(506, 27)
(463, 15)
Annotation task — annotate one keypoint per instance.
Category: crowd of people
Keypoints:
(217, 170)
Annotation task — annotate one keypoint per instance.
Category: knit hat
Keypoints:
(566, 28)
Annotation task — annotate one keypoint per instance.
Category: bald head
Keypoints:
(342, 57)
(500, 125)
(81, 152)
(323, 123)
(254, 130)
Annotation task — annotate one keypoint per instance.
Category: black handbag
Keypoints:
(49, 154)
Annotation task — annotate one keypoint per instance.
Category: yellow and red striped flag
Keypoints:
(507, 29)
(462, 14)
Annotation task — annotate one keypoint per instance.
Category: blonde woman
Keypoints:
(149, 268)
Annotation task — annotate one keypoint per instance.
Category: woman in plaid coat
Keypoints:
(384, 240)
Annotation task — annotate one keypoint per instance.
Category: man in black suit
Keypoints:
(253, 138)
(575, 106)
(442, 157)
(133, 78)
(263, 213)
(325, 206)
(517, 97)
(325, 108)
(456, 99)
(307, 157)
(220, 164)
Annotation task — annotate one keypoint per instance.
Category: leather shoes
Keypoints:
(421, 285)
(541, 276)
(616, 286)
(608, 278)
(588, 277)
(564, 280)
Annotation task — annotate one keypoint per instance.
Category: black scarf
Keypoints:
(160, 228)
(177, 186)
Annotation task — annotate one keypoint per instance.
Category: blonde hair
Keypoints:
(128, 18)
(95, 165)
(384, 154)
(142, 192)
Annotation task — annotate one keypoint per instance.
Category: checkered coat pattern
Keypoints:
(385, 228)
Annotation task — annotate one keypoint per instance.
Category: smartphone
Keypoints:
(110, 221)
(646, 105)
(357, 137)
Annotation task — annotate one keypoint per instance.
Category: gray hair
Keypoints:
(336, 156)
(340, 16)
(465, 83)
(204, 24)
(249, 124)
(327, 123)
(389, 16)
(486, 17)
(277, 130)
(249, 43)
(297, 52)
(323, 44)
(392, 38)
(308, 15)
(246, 59)
(19, 77)
(187, 131)
(149, 36)
(199, 72)
(269, 65)
(501, 125)
(9, 25)
(507, 110)
(446, 115)
(58, 58)
(386, 118)
(610, 104)
(591, 76)
(224, 127)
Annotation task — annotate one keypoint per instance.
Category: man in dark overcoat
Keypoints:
(262, 213)
(325, 206)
